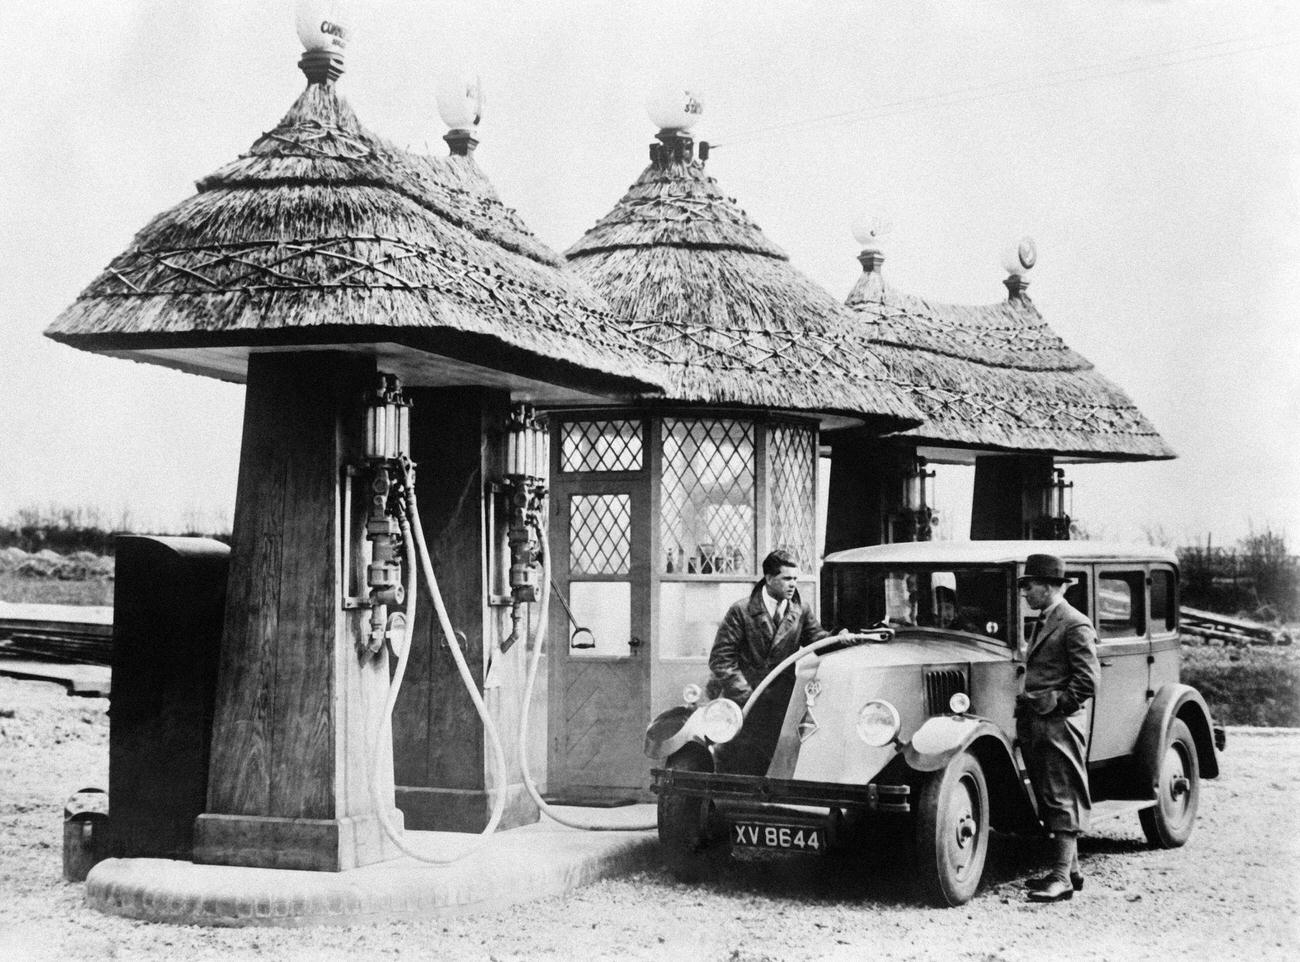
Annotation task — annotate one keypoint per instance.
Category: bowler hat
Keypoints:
(1044, 567)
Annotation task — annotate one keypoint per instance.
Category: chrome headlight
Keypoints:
(878, 723)
(959, 703)
(720, 721)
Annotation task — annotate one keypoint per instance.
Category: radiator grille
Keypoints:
(940, 685)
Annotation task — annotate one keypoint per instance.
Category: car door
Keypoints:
(1122, 649)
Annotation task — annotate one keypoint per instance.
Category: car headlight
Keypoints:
(691, 694)
(959, 703)
(721, 720)
(878, 723)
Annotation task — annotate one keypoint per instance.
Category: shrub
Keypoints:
(1246, 686)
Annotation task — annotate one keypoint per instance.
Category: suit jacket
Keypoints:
(748, 645)
(1061, 667)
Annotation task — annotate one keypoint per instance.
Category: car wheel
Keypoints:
(689, 846)
(1169, 823)
(952, 832)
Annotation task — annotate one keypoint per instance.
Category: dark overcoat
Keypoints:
(746, 648)
(1061, 675)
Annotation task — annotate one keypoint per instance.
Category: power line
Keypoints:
(989, 91)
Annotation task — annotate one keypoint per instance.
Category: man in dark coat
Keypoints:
(1061, 674)
(755, 635)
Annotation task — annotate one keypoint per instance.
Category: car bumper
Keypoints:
(759, 789)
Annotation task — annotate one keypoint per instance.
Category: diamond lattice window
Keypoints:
(600, 446)
(600, 534)
(707, 503)
(790, 454)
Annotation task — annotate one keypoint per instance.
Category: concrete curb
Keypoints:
(520, 865)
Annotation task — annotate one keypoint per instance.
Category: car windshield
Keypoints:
(954, 598)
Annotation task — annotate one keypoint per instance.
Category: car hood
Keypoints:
(826, 747)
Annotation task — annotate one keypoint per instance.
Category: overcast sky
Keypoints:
(1151, 149)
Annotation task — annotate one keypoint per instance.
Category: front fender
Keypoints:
(943, 736)
(670, 731)
(940, 739)
(1175, 701)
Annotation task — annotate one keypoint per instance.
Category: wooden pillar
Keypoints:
(1000, 508)
(444, 769)
(865, 491)
(296, 706)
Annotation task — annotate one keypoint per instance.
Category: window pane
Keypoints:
(600, 446)
(1162, 601)
(599, 534)
(605, 609)
(707, 497)
(793, 502)
(689, 614)
(1119, 604)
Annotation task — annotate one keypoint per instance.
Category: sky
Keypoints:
(1151, 149)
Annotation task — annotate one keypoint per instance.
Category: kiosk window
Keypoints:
(1120, 604)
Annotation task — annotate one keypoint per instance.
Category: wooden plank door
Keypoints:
(599, 679)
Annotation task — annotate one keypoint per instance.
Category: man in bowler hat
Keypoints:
(1061, 674)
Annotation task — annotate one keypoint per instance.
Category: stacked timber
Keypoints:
(1222, 629)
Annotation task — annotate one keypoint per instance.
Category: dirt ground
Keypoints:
(1231, 893)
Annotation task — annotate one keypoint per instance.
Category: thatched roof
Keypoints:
(325, 234)
(711, 297)
(997, 377)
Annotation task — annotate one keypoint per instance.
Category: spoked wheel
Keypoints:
(688, 842)
(1178, 791)
(952, 832)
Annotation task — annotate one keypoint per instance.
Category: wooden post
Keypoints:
(999, 505)
(443, 767)
(296, 706)
(865, 490)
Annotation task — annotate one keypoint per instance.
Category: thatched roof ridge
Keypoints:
(997, 377)
(675, 203)
(323, 225)
(710, 297)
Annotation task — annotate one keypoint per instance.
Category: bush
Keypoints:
(1246, 686)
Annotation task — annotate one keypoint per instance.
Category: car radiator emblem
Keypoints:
(808, 727)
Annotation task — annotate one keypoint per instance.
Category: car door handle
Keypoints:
(1107, 662)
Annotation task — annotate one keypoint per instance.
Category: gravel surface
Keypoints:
(1231, 893)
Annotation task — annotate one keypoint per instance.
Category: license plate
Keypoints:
(800, 838)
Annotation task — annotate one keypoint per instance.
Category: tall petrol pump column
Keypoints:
(303, 674)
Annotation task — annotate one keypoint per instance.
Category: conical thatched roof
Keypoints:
(710, 296)
(324, 234)
(996, 377)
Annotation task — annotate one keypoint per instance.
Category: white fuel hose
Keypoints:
(413, 538)
(543, 616)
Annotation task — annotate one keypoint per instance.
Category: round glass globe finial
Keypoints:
(675, 106)
(460, 100)
(323, 25)
(1019, 257)
(872, 229)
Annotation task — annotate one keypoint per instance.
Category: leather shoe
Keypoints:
(1038, 884)
(1056, 890)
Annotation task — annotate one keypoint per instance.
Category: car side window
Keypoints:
(1121, 604)
(1164, 606)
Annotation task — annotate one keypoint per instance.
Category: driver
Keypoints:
(755, 635)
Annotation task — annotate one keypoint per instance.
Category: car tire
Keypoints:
(1169, 823)
(689, 844)
(952, 832)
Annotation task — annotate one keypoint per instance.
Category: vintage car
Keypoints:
(906, 728)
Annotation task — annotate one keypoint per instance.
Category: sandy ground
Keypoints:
(1231, 893)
